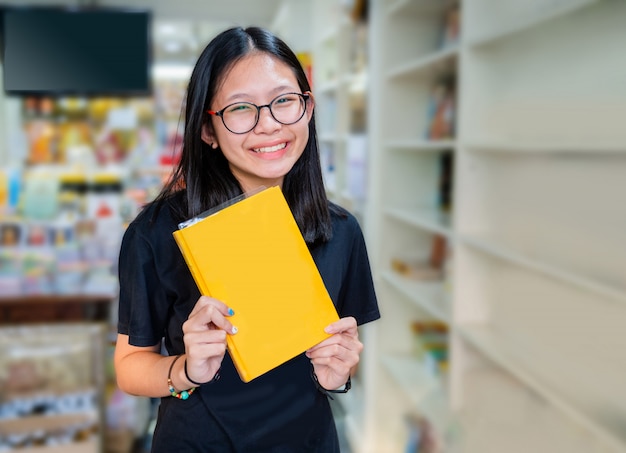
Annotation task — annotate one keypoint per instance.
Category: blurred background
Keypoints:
(480, 143)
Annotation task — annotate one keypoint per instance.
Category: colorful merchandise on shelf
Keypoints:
(431, 345)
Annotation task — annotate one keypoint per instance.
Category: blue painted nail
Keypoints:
(231, 312)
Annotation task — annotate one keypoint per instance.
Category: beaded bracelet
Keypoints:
(180, 395)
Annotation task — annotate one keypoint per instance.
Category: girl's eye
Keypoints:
(239, 108)
(284, 100)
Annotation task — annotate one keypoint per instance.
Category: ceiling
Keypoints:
(181, 28)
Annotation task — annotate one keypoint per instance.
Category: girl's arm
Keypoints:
(143, 371)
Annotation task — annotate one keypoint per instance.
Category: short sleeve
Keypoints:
(345, 268)
(142, 303)
(357, 295)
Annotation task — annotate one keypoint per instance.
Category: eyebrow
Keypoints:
(274, 92)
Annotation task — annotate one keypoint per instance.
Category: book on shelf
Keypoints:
(441, 110)
(451, 26)
(356, 168)
(446, 180)
(252, 256)
(422, 437)
(429, 269)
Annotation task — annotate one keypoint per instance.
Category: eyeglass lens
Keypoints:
(242, 117)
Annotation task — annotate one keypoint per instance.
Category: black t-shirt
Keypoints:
(280, 411)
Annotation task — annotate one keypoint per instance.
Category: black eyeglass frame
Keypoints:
(305, 96)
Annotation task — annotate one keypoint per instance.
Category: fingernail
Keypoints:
(328, 330)
(234, 330)
(231, 312)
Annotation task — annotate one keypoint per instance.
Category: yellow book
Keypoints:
(252, 256)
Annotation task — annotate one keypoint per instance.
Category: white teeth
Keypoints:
(270, 149)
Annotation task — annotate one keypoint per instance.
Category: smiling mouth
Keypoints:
(270, 149)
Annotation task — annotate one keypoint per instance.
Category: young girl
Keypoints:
(249, 123)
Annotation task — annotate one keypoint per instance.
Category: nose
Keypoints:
(266, 122)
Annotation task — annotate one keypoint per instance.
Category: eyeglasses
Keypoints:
(242, 117)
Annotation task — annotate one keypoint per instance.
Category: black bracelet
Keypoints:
(327, 392)
(215, 378)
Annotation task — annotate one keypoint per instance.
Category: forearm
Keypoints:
(144, 371)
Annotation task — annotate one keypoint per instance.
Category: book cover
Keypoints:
(252, 256)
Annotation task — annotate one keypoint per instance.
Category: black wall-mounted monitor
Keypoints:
(90, 51)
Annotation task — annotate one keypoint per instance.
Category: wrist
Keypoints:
(186, 374)
(342, 389)
(174, 378)
(195, 383)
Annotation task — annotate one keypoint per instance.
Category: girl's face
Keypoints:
(263, 156)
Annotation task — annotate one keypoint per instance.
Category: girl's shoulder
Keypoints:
(340, 216)
(158, 215)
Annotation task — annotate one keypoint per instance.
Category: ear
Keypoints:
(310, 106)
(208, 136)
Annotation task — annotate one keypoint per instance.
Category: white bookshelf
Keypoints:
(535, 288)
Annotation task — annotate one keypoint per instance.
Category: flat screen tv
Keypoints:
(81, 51)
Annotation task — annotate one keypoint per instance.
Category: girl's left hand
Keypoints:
(334, 358)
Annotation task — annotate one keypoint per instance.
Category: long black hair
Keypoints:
(204, 174)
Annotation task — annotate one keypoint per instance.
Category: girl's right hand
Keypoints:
(204, 335)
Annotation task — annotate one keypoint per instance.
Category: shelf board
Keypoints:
(412, 378)
(538, 147)
(86, 446)
(507, 254)
(443, 58)
(420, 145)
(55, 299)
(428, 296)
(557, 9)
(47, 423)
(518, 362)
(426, 219)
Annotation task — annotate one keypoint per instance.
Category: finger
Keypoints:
(203, 301)
(331, 350)
(347, 347)
(346, 325)
(207, 317)
(202, 351)
(194, 338)
(340, 365)
(348, 341)
(204, 360)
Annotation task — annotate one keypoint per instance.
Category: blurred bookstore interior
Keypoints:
(480, 143)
